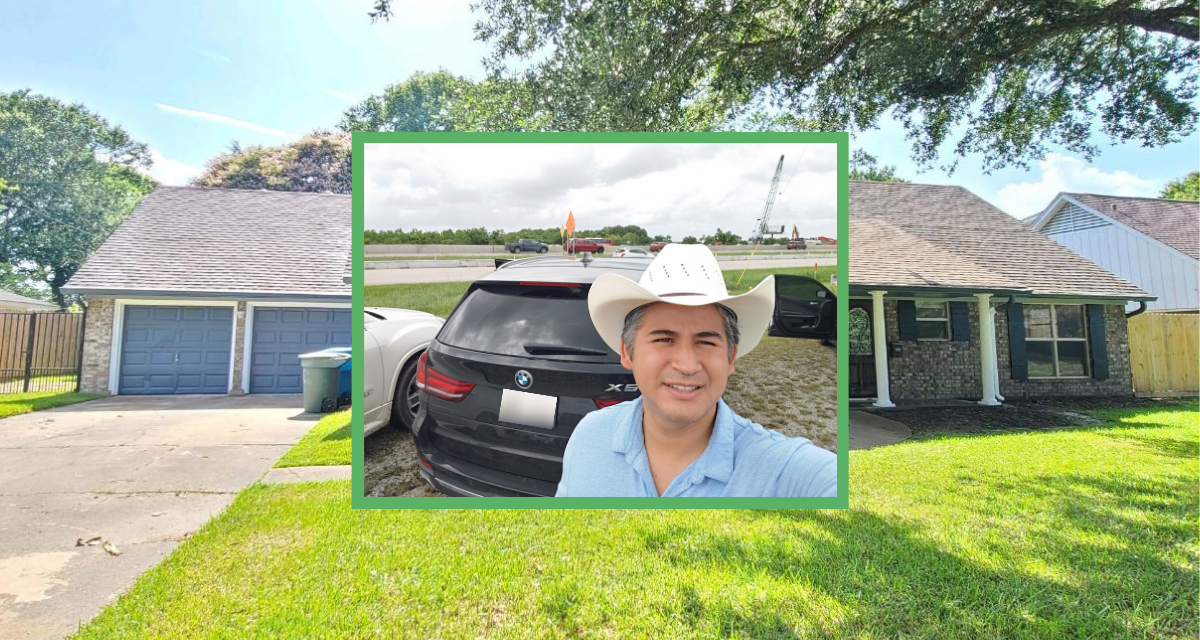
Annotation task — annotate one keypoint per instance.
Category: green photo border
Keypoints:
(842, 501)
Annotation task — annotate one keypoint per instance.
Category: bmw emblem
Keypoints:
(524, 379)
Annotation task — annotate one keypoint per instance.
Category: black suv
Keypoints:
(512, 372)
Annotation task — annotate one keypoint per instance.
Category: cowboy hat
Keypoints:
(686, 275)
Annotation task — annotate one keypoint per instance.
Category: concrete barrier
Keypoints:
(800, 258)
(419, 250)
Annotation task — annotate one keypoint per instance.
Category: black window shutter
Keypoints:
(960, 321)
(1016, 342)
(906, 318)
(1097, 343)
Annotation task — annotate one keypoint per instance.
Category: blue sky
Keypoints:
(189, 78)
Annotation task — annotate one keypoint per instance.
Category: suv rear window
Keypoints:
(550, 322)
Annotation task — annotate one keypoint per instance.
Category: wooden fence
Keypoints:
(40, 351)
(1164, 353)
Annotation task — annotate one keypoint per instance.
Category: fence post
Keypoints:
(29, 349)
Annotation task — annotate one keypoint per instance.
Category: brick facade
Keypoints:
(239, 351)
(97, 346)
(1120, 376)
(949, 369)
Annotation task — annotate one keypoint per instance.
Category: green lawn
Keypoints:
(327, 443)
(440, 298)
(12, 404)
(1086, 532)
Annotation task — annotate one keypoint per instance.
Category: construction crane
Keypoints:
(761, 227)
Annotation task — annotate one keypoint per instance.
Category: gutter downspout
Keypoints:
(996, 356)
(1140, 310)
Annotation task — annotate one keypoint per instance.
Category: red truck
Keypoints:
(575, 245)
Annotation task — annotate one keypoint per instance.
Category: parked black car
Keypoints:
(512, 372)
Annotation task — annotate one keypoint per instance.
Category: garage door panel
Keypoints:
(281, 334)
(175, 349)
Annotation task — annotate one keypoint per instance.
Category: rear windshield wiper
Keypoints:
(560, 350)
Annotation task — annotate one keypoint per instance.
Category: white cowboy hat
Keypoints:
(682, 274)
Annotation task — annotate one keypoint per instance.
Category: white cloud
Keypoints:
(1061, 173)
(171, 172)
(341, 95)
(233, 122)
(214, 56)
(673, 189)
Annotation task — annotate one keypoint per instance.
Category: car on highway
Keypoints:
(578, 245)
(657, 246)
(394, 342)
(518, 364)
(797, 244)
(526, 244)
(628, 252)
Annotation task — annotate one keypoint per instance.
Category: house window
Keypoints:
(1056, 340)
(933, 320)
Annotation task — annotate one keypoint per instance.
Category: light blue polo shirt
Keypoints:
(606, 457)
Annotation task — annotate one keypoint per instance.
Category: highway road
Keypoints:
(466, 274)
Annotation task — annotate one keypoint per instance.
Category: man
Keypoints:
(680, 331)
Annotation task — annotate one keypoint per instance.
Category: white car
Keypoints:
(628, 252)
(394, 341)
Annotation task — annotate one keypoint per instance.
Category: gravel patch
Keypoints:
(390, 466)
(789, 385)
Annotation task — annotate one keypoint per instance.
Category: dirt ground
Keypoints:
(789, 385)
(390, 465)
(1040, 414)
(785, 384)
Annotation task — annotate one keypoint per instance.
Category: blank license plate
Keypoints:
(529, 409)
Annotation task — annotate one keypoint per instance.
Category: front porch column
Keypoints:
(987, 350)
(883, 393)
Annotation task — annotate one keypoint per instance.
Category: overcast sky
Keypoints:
(667, 189)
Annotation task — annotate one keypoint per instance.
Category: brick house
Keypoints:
(927, 262)
(215, 291)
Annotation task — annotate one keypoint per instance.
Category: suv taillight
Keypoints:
(600, 404)
(438, 384)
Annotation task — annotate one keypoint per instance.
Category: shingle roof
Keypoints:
(195, 240)
(932, 236)
(1175, 223)
(9, 300)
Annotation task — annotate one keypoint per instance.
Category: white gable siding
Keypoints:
(1132, 255)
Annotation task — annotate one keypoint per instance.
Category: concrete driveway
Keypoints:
(141, 472)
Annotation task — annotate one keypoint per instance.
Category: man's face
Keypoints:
(680, 361)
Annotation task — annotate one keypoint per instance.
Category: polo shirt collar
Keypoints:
(716, 461)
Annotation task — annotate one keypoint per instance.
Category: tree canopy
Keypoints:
(416, 104)
(319, 162)
(864, 166)
(963, 76)
(69, 179)
(1185, 188)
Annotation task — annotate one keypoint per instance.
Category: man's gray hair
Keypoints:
(633, 322)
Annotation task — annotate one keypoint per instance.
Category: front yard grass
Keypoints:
(1087, 532)
(12, 404)
(327, 443)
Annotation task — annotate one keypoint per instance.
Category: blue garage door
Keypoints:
(281, 334)
(175, 350)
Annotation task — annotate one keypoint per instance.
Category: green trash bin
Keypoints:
(322, 369)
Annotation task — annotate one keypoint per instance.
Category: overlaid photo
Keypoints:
(600, 317)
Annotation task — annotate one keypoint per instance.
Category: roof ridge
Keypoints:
(1101, 195)
(189, 187)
